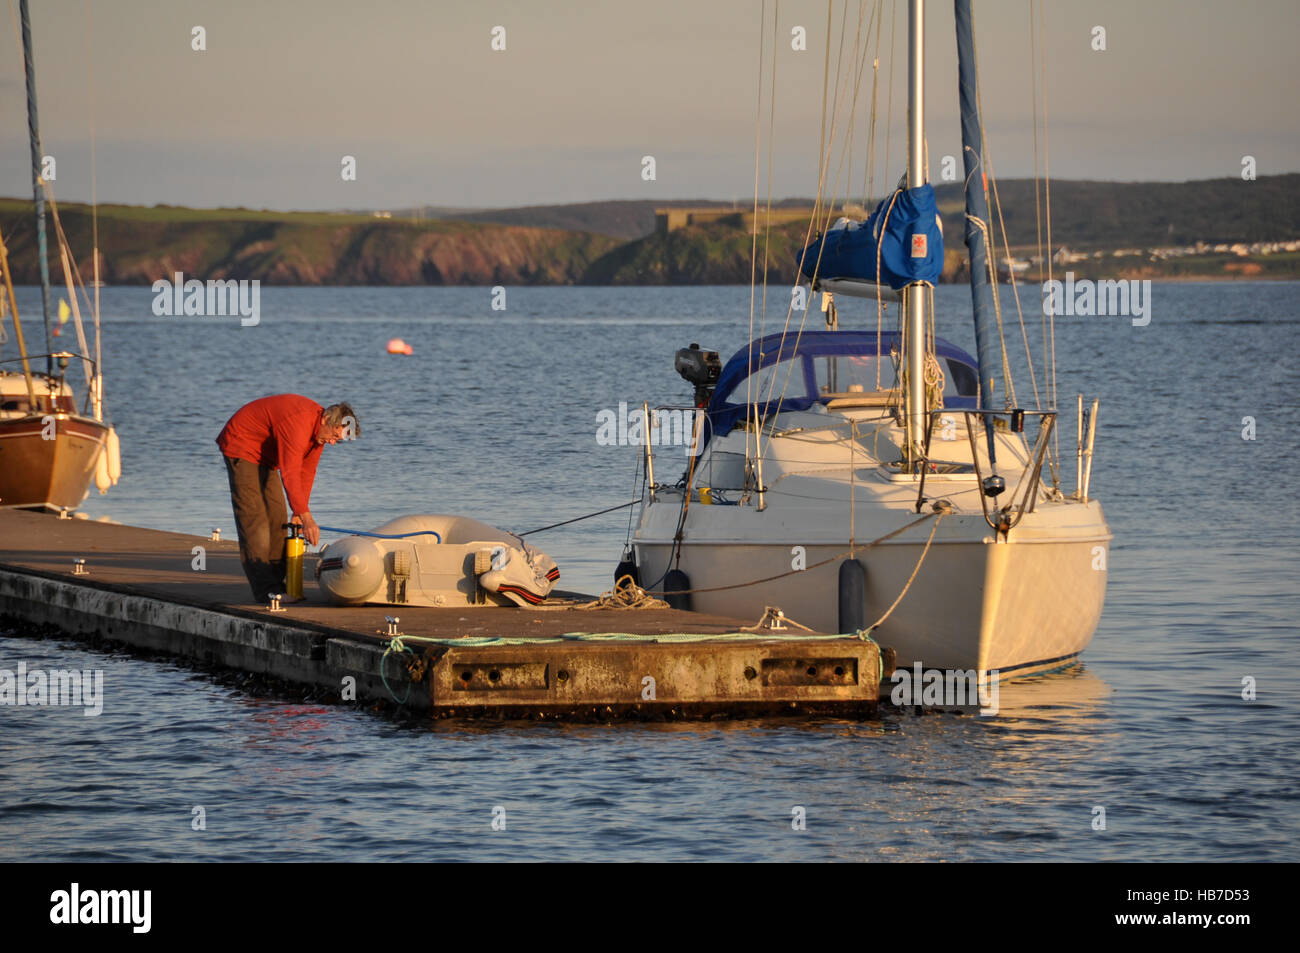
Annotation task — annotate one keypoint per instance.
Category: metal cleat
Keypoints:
(79, 567)
(275, 602)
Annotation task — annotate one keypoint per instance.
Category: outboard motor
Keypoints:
(701, 368)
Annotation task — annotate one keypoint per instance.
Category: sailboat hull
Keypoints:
(48, 468)
(1019, 607)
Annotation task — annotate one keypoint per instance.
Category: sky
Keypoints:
(585, 89)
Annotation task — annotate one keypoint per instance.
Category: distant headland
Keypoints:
(1211, 229)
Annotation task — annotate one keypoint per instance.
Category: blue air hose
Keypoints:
(357, 532)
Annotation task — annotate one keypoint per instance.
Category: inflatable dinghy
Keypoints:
(437, 561)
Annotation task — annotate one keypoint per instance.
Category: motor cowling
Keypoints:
(701, 368)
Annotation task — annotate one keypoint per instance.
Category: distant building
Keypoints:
(671, 219)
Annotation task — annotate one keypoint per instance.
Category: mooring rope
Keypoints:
(578, 519)
(626, 594)
(912, 578)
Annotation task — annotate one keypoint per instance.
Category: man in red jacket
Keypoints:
(283, 433)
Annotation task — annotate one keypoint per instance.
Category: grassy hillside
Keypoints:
(1127, 214)
(615, 242)
(1084, 214)
(141, 245)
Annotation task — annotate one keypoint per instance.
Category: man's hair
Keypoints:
(337, 415)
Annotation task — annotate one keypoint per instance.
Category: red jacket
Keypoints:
(278, 432)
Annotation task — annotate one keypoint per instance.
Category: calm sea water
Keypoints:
(495, 416)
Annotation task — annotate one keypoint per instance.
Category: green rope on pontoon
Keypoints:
(865, 636)
(395, 646)
(687, 637)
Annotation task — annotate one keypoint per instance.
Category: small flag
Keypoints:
(64, 311)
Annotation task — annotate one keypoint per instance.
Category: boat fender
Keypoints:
(108, 466)
(677, 590)
(627, 567)
(853, 596)
(114, 446)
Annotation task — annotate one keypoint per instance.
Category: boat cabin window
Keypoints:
(961, 380)
(790, 382)
(841, 373)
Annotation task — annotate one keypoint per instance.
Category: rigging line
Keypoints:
(853, 491)
(889, 109)
(686, 506)
(912, 578)
(991, 259)
(1015, 287)
(1033, 87)
(821, 180)
(753, 254)
(827, 143)
(72, 277)
(869, 173)
(1047, 197)
(542, 529)
(821, 249)
(94, 209)
(835, 121)
(880, 306)
(1015, 293)
(639, 490)
(991, 239)
(822, 164)
(821, 135)
(64, 260)
(771, 142)
(61, 239)
(857, 85)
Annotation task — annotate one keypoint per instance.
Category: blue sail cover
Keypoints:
(911, 249)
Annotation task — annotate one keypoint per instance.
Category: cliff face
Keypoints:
(712, 254)
(140, 248)
(557, 245)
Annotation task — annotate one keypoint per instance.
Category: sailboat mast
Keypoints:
(914, 329)
(34, 136)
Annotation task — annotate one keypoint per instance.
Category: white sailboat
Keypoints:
(877, 481)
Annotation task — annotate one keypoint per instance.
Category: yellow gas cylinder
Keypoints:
(294, 547)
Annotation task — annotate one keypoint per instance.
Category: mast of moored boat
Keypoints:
(18, 324)
(914, 327)
(34, 137)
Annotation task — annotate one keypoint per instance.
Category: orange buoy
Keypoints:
(398, 346)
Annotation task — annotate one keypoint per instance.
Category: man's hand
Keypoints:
(310, 531)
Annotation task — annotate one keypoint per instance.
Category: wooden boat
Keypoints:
(50, 449)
